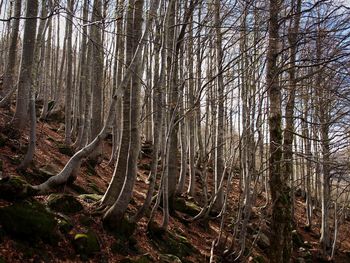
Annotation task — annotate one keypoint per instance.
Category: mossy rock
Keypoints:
(258, 259)
(66, 150)
(122, 229)
(2, 234)
(15, 188)
(120, 247)
(86, 221)
(90, 198)
(95, 188)
(66, 204)
(146, 258)
(86, 244)
(144, 166)
(170, 243)
(78, 189)
(297, 239)
(168, 258)
(48, 170)
(29, 220)
(3, 140)
(186, 207)
(15, 160)
(64, 226)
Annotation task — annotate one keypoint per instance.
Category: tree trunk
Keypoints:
(280, 191)
(8, 83)
(21, 116)
(115, 214)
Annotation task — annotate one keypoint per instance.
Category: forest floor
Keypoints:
(49, 158)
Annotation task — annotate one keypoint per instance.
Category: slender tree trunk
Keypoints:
(219, 131)
(21, 116)
(117, 211)
(83, 84)
(69, 86)
(97, 74)
(280, 191)
(8, 83)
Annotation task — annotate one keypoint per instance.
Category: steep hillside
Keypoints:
(67, 228)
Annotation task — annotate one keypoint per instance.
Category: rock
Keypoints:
(48, 170)
(65, 204)
(29, 220)
(64, 226)
(146, 258)
(3, 140)
(258, 259)
(170, 243)
(2, 234)
(122, 229)
(144, 166)
(85, 220)
(15, 188)
(263, 241)
(66, 150)
(95, 188)
(86, 244)
(186, 207)
(307, 244)
(90, 198)
(168, 258)
(297, 239)
(300, 260)
(304, 253)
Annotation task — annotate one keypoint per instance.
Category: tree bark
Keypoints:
(21, 116)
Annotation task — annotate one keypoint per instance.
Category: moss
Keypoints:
(3, 140)
(29, 220)
(297, 239)
(146, 258)
(86, 244)
(66, 150)
(168, 258)
(85, 220)
(120, 247)
(90, 198)
(15, 188)
(170, 243)
(123, 229)
(186, 207)
(48, 170)
(64, 226)
(15, 160)
(65, 204)
(78, 189)
(258, 259)
(2, 260)
(95, 188)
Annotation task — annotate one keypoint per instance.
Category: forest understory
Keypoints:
(21, 245)
(174, 131)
